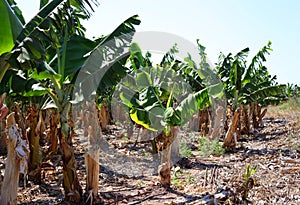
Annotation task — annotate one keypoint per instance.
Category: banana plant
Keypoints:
(62, 77)
(161, 99)
(28, 45)
(199, 76)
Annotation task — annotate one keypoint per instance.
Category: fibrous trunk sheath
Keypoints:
(92, 156)
(17, 154)
(232, 133)
(72, 188)
(164, 144)
(34, 144)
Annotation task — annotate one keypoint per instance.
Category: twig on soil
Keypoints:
(205, 179)
(144, 199)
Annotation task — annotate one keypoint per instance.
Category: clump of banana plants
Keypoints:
(248, 89)
(42, 59)
(161, 100)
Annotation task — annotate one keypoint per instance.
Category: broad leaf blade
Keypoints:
(10, 27)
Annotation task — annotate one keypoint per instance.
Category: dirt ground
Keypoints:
(274, 149)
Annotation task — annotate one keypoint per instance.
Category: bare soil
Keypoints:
(274, 149)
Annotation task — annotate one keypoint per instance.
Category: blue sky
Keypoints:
(221, 25)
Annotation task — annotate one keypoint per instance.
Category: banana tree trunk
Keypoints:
(16, 159)
(261, 116)
(53, 139)
(204, 121)
(92, 172)
(34, 145)
(254, 115)
(104, 116)
(251, 118)
(164, 144)
(92, 157)
(218, 123)
(72, 188)
(20, 119)
(3, 137)
(238, 126)
(232, 133)
(257, 113)
(245, 126)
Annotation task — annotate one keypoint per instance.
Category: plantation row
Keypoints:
(42, 59)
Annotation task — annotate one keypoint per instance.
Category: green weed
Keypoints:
(184, 150)
(209, 147)
(176, 178)
(190, 178)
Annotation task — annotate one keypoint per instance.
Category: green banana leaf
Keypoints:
(266, 94)
(37, 20)
(190, 105)
(147, 109)
(150, 111)
(10, 25)
(256, 62)
(15, 34)
(77, 51)
(104, 67)
(147, 93)
(45, 11)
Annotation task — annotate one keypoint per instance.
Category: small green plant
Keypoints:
(209, 147)
(248, 180)
(193, 137)
(125, 138)
(184, 150)
(145, 153)
(190, 178)
(139, 183)
(176, 177)
(176, 182)
(118, 123)
(296, 146)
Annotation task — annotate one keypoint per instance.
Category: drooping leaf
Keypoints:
(172, 117)
(191, 104)
(4, 65)
(266, 92)
(216, 90)
(104, 66)
(38, 19)
(136, 56)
